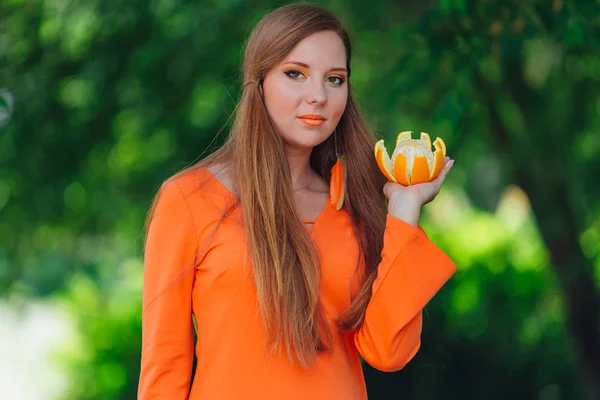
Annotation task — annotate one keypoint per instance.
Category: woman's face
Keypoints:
(306, 94)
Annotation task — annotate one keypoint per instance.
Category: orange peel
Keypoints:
(412, 161)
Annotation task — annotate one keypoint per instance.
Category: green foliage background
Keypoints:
(105, 99)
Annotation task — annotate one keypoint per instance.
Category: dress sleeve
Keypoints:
(167, 331)
(412, 270)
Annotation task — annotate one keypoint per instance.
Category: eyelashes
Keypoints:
(339, 81)
(295, 74)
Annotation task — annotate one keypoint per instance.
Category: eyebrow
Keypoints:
(308, 66)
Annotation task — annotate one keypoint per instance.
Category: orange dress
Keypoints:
(216, 286)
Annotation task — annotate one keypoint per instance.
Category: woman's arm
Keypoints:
(411, 272)
(167, 338)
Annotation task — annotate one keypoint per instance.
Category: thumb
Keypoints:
(388, 188)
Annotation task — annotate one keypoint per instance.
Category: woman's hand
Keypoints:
(405, 202)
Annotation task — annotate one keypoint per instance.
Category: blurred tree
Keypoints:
(112, 97)
(525, 75)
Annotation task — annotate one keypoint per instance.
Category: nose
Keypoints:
(316, 93)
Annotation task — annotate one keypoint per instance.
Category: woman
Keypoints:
(287, 292)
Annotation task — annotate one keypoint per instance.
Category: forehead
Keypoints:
(320, 50)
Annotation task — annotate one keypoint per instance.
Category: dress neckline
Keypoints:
(314, 222)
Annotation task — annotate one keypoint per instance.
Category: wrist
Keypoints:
(405, 209)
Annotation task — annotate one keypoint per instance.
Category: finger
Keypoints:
(447, 167)
(387, 189)
(442, 176)
(434, 187)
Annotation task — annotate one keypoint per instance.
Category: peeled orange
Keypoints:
(412, 161)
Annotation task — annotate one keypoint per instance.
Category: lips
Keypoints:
(312, 119)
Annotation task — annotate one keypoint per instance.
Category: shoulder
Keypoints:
(197, 190)
(223, 174)
(192, 184)
(210, 177)
(187, 181)
(171, 201)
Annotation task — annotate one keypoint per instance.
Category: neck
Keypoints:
(302, 174)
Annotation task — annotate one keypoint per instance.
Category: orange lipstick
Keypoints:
(312, 119)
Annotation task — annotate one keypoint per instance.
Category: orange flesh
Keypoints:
(420, 170)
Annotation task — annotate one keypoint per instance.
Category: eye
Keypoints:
(336, 80)
(294, 74)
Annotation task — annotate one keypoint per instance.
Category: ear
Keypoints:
(261, 79)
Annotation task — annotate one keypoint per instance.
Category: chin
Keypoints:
(306, 139)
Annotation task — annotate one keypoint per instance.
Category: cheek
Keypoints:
(338, 104)
(281, 98)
